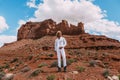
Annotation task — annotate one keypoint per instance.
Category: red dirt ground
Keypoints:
(31, 53)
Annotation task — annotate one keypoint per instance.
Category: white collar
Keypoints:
(59, 38)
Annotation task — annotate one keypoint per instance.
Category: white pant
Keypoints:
(59, 53)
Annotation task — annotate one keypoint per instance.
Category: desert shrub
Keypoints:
(51, 77)
(17, 64)
(70, 53)
(119, 76)
(14, 60)
(37, 58)
(35, 73)
(2, 75)
(87, 53)
(54, 64)
(69, 62)
(6, 66)
(42, 65)
(30, 57)
(80, 68)
(50, 55)
(20, 62)
(12, 69)
(74, 52)
(106, 64)
(105, 73)
(69, 79)
(1, 68)
(92, 63)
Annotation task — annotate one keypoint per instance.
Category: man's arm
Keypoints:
(55, 45)
(65, 42)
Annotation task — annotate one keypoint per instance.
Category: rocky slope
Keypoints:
(32, 57)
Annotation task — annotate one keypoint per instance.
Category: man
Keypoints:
(60, 43)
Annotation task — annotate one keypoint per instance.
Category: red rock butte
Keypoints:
(36, 30)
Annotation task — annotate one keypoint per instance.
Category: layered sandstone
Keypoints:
(36, 30)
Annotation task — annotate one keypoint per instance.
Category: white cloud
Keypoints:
(7, 39)
(20, 22)
(31, 4)
(104, 27)
(78, 11)
(73, 11)
(3, 24)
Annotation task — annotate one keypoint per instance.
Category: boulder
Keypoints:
(8, 76)
(25, 69)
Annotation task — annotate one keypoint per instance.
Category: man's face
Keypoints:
(59, 35)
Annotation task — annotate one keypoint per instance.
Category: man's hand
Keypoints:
(60, 47)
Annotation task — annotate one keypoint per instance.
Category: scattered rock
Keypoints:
(109, 78)
(25, 69)
(74, 72)
(92, 63)
(114, 77)
(8, 76)
(100, 63)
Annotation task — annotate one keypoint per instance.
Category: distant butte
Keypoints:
(36, 30)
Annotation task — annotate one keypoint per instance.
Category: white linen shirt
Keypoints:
(60, 43)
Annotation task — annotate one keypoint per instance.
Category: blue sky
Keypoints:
(100, 13)
(13, 11)
(112, 8)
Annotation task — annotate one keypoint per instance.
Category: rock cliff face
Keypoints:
(35, 30)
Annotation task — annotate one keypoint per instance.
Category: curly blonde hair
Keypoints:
(59, 32)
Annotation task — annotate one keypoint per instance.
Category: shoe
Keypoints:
(59, 69)
(65, 68)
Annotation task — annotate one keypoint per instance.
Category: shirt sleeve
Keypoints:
(55, 45)
(64, 42)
